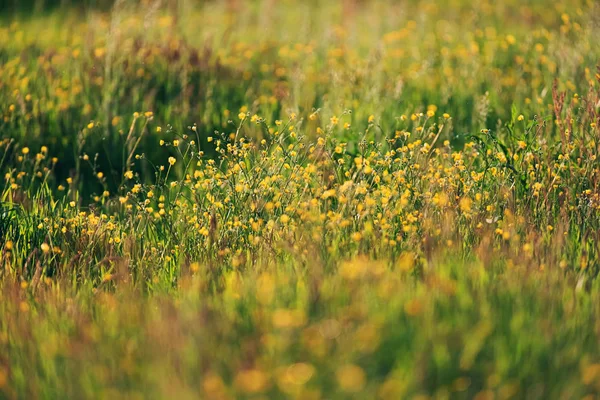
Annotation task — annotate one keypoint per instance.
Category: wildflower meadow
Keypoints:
(261, 199)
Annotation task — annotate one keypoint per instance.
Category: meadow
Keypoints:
(263, 199)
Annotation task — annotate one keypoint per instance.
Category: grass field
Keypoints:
(300, 199)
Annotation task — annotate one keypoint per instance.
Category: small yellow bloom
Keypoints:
(194, 267)
(251, 381)
(172, 160)
(465, 204)
(23, 306)
(413, 308)
(351, 378)
(406, 262)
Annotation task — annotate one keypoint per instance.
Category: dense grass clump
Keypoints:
(313, 200)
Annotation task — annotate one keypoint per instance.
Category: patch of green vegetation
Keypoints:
(300, 200)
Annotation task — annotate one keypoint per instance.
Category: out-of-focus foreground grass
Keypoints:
(314, 200)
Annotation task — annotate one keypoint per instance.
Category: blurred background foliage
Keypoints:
(190, 62)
